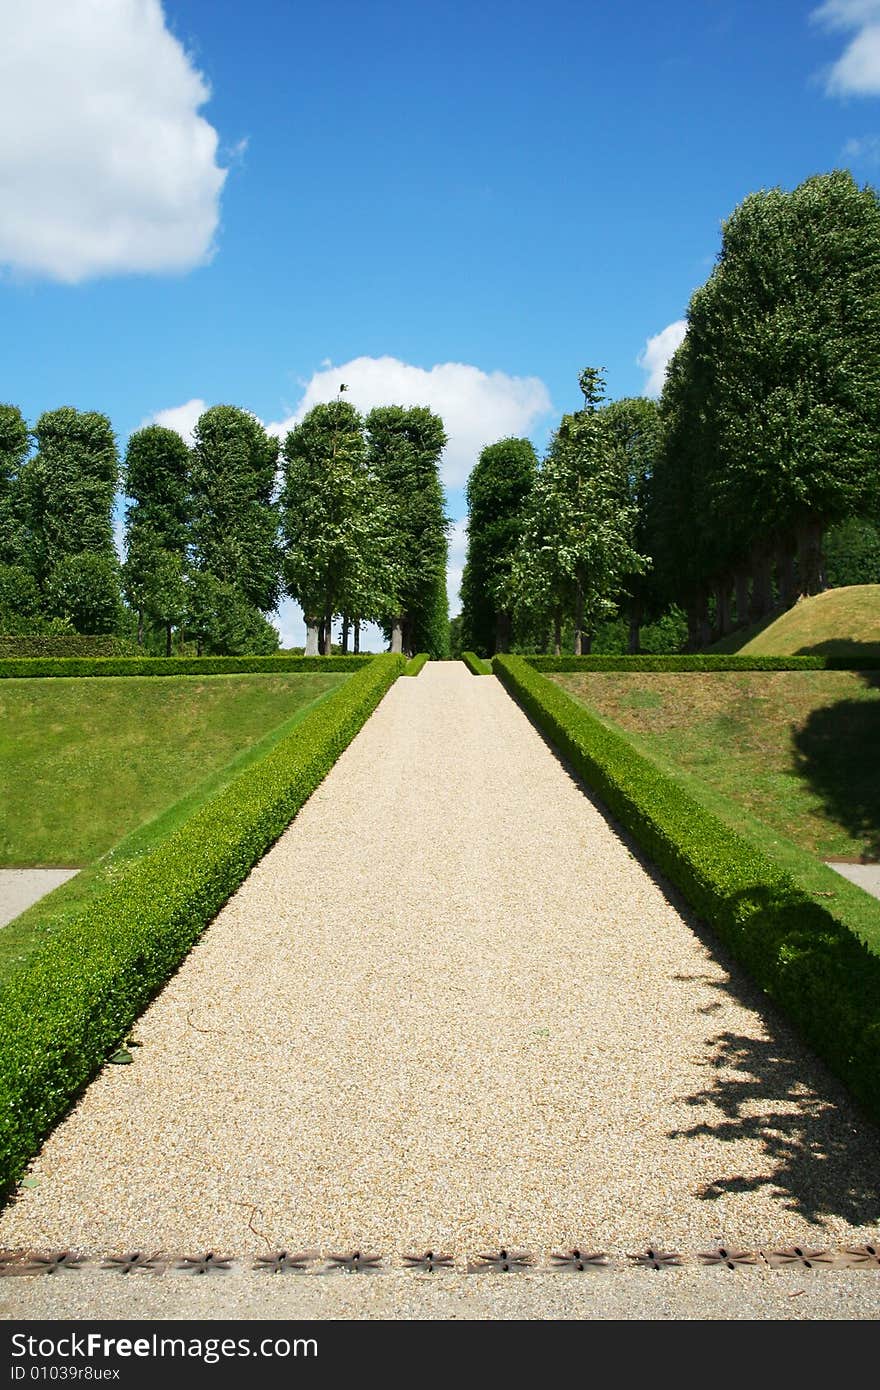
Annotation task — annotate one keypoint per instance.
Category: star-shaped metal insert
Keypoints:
(580, 1260)
(204, 1264)
(127, 1264)
(283, 1263)
(428, 1262)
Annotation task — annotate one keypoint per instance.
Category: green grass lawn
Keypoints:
(839, 622)
(797, 750)
(84, 762)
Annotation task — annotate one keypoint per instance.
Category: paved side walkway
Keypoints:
(451, 1009)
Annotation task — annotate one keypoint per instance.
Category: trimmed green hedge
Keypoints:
(704, 663)
(27, 668)
(415, 664)
(819, 964)
(476, 665)
(66, 1010)
(65, 644)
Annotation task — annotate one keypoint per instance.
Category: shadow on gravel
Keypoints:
(822, 1157)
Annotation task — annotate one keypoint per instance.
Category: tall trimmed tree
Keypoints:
(404, 449)
(498, 491)
(235, 519)
(14, 445)
(157, 483)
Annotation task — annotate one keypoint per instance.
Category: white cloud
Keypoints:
(857, 70)
(476, 407)
(106, 167)
(182, 418)
(864, 150)
(655, 355)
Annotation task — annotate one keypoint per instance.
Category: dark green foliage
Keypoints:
(852, 553)
(498, 490)
(404, 447)
(64, 644)
(415, 664)
(14, 444)
(704, 663)
(157, 483)
(175, 665)
(634, 422)
(20, 604)
(818, 965)
(67, 489)
(455, 637)
(70, 1006)
(84, 589)
(476, 665)
(234, 528)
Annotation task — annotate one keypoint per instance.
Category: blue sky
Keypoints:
(205, 201)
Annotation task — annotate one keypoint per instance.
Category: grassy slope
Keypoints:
(797, 750)
(85, 762)
(840, 622)
(21, 937)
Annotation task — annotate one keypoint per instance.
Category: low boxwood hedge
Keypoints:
(819, 964)
(66, 1010)
(476, 665)
(704, 663)
(62, 644)
(28, 667)
(415, 664)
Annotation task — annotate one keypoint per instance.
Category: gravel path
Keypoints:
(452, 1009)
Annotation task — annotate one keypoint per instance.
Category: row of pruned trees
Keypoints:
(717, 500)
(346, 516)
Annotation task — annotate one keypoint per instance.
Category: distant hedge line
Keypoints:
(68, 1007)
(476, 665)
(820, 967)
(415, 664)
(66, 644)
(27, 667)
(704, 663)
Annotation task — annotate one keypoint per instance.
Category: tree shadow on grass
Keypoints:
(818, 1156)
(837, 751)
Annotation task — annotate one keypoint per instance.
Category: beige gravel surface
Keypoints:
(451, 1008)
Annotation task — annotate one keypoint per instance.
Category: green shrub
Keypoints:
(704, 663)
(415, 664)
(476, 665)
(65, 1011)
(819, 964)
(27, 668)
(65, 644)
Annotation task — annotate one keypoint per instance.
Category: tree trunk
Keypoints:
(311, 636)
(762, 584)
(198, 646)
(586, 643)
(703, 626)
(397, 635)
(722, 607)
(811, 566)
(328, 634)
(357, 636)
(579, 622)
(693, 622)
(785, 573)
(167, 639)
(345, 635)
(557, 633)
(140, 627)
(634, 638)
(502, 631)
(741, 583)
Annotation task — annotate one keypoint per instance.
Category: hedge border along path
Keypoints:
(68, 1008)
(476, 665)
(29, 668)
(820, 967)
(703, 663)
(415, 664)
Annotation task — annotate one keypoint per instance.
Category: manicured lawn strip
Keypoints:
(703, 663)
(415, 664)
(31, 667)
(85, 762)
(476, 665)
(818, 959)
(26, 934)
(75, 1000)
(797, 749)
